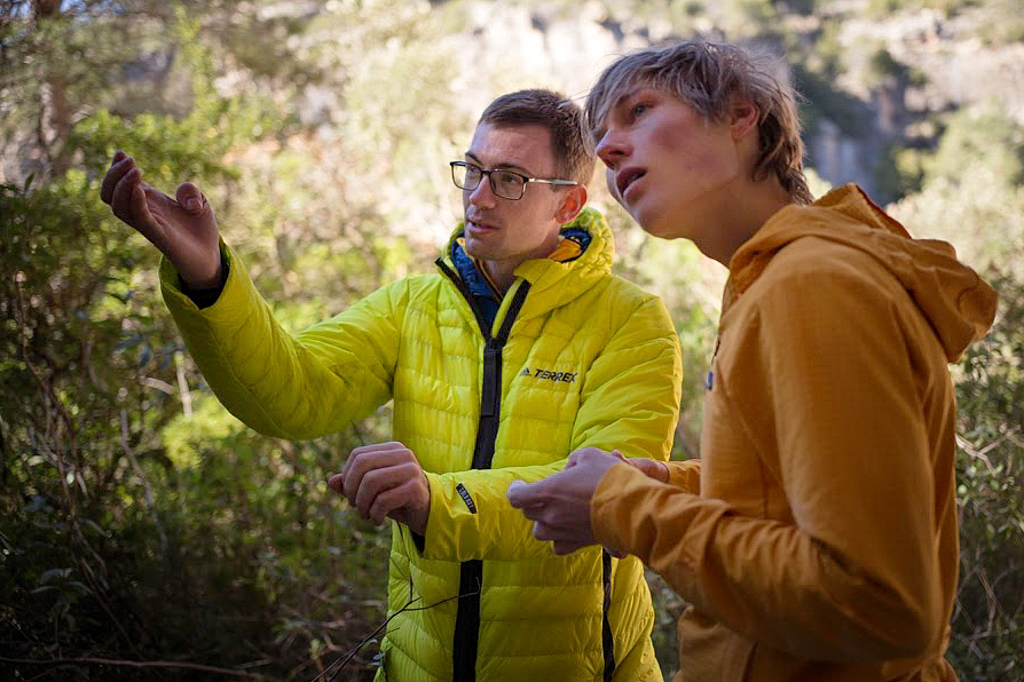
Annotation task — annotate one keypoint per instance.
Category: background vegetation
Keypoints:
(144, 531)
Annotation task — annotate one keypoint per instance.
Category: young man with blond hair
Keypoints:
(816, 539)
(521, 348)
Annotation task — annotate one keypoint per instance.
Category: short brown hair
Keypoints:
(574, 158)
(706, 76)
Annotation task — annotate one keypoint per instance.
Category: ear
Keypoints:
(743, 118)
(575, 200)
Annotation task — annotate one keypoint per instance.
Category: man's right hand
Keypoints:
(386, 479)
(183, 228)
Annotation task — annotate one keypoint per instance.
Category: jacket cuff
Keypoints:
(685, 475)
(231, 305)
(435, 511)
(204, 298)
(604, 504)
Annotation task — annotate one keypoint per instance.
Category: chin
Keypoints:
(476, 250)
(652, 225)
(470, 246)
(661, 224)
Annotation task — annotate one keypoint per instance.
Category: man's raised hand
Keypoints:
(183, 229)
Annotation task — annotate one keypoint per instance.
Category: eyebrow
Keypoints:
(500, 166)
(632, 90)
(629, 93)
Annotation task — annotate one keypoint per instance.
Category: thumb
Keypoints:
(337, 483)
(652, 468)
(190, 198)
(520, 493)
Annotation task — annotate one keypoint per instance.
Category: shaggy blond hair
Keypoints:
(707, 76)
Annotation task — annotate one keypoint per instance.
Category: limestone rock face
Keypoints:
(894, 72)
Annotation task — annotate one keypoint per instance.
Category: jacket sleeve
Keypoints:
(290, 386)
(853, 576)
(630, 402)
(685, 474)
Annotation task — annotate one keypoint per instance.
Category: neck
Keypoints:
(502, 271)
(740, 215)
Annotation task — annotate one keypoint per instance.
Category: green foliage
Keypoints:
(690, 287)
(140, 521)
(981, 211)
(884, 68)
(971, 194)
(979, 137)
(988, 625)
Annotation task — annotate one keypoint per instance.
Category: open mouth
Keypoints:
(627, 178)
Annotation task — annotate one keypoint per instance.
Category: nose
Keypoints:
(612, 148)
(483, 195)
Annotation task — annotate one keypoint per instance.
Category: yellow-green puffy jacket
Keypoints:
(576, 357)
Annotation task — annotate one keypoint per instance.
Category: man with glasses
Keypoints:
(522, 348)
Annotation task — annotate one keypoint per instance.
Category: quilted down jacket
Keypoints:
(574, 357)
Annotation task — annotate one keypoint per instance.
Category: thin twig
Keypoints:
(136, 664)
(342, 662)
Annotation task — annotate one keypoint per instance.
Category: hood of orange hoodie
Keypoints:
(959, 305)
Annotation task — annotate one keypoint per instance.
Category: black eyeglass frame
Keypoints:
(490, 179)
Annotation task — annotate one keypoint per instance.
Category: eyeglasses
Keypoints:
(504, 183)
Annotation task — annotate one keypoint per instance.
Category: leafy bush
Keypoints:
(988, 624)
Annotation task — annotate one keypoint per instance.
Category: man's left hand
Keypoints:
(559, 505)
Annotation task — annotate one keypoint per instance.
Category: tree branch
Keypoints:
(136, 664)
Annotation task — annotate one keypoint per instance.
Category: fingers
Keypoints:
(380, 481)
(190, 198)
(121, 164)
(123, 189)
(526, 496)
(386, 479)
(576, 456)
(123, 192)
(652, 468)
(370, 457)
(361, 456)
(391, 501)
(563, 543)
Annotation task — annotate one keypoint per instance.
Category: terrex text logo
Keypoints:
(550, 375)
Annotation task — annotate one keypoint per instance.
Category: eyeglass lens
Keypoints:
(505, 184)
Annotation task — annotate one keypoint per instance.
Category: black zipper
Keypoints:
(467, 617)
(607, 639)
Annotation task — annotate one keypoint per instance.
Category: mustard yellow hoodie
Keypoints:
(821, 540)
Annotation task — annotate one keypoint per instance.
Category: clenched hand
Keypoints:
(386, 480)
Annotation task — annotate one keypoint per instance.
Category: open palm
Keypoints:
(184, 228)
